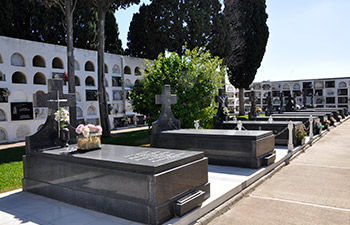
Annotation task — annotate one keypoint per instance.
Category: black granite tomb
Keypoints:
(140, 184)
(281, 117)
(223, 147)
(275, 126)
(251, 149)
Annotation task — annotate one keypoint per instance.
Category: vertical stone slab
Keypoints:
(47, 136)
(166, 120)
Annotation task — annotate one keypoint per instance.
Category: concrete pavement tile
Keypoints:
(256, 211)
(325, 186)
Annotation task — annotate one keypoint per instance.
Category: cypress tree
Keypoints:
(248, 35)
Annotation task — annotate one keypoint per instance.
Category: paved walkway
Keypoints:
(313, 189)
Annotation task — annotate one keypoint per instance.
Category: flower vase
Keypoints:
(64, 137)
(90, 142)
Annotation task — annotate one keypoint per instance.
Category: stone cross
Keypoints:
(166, 99)
(54, 97)
(269, 104)
(166, 120)
(281, 102)
(252, 113)
(47, 136)
(222, 101)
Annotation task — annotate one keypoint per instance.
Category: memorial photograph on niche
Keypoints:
(21, 111)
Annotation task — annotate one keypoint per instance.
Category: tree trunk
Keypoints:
(241, 102)
(100, 72)
(70, 63)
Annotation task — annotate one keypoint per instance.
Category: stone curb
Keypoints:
(226, 206)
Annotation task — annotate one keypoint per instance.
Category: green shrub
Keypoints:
(195, 78)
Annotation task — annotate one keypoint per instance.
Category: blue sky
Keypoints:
(308, 38)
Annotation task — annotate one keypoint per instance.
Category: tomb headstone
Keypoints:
(281, 102)
(47, 136)
(290, 104)
(252, 113)
(304, 99)
(269, 104)
(166, 120)
(222, 101)
(295, 102)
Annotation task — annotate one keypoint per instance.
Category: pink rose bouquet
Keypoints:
(86, 130)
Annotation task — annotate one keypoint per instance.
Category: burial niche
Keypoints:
(116, 69)
(19, 78)
(79, 112)
(106, 68)
(127, 70)
(17, 59)
(137, 71)
(1, 59)
(39, 78)
(57, 63)
(3, 134)
(2, 115)
(77, 80)
(76, 65)
(91, 111)
(39, 61)
(89, 81)
(89, 66)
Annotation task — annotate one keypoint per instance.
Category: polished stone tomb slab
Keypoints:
(279, 117)
(251, 149)
(323, 116)
(146, 185)
(275, 126)
(335, 112)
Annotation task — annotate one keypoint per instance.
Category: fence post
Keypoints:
(239, 125)
(311, 129)
(290, 139)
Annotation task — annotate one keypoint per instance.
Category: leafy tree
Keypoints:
(249, 35)
(102, 7)
(195, 78)
(112, 43)
(170, 25)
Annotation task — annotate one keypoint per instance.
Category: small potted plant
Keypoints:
(300, 134)
(327, 123)
(89, 137)
(333, 121)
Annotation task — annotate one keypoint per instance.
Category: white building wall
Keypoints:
(16, 130)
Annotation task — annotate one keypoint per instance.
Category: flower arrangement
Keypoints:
(319, 125)
(258, 109)
(340, 117)
(327, 122)
(135, 119)
(62, 116)
(333, 120)
(300, 132)
(88, 130)
(226, 111)
(91, 137)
